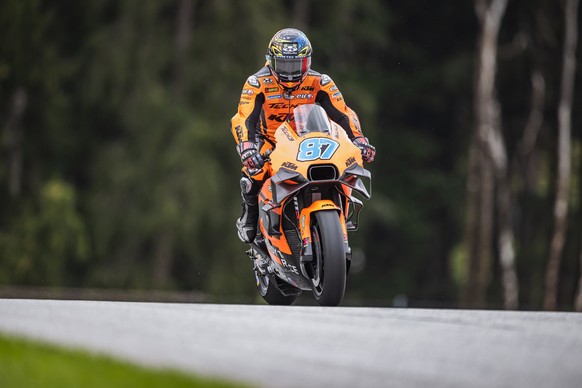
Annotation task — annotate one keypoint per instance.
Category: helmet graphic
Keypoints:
(289, 56)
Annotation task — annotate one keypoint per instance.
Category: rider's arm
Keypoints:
(331, 99)
(244, 123)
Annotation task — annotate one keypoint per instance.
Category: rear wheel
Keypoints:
(329, 281)
(270, 293)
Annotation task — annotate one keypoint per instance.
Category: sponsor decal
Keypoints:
(267, 81)
(327, 205)
(324, 79)
(271, 90)
(253, 81)
(289, 48)
(339, 99)
(290, 267)
(289, 165)
(304, 96)
(273, 97)
(244, 103)
(287, 134)
(248, 91)
(281, 105)
(246, 98)
(308, 88)
(337, 95)
(281, 117)
(239, 133)
(350, 161)
(333, 88)
(288, 96)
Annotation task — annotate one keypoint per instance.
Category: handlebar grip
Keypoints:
(265, 157)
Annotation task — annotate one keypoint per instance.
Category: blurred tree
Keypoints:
(491, 140)
(13, 131)
(488, 155)
(563, 178)
(47, 241)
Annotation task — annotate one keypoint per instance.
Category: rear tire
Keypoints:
(270, 293)
(329, 282)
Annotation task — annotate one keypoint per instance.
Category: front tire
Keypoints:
(329, 282)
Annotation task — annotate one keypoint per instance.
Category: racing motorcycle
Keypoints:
(306, 209)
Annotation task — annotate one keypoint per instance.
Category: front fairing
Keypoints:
(295, 156)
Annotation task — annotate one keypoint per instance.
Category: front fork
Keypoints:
(305, 231)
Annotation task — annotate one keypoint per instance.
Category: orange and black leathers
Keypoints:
(264, 106)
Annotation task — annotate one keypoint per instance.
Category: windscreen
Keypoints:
(311, 118)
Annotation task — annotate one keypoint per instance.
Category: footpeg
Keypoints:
(261, 265)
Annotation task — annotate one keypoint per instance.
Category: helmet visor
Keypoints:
(290, 69)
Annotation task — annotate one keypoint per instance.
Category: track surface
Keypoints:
(318, 347)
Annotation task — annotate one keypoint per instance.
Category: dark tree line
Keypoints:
(118, 170)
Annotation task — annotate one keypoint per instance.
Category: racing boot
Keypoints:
(247, 223)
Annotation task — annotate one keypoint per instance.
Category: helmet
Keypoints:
(289, 56)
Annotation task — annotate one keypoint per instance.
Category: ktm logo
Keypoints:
(350, 161)
(290, 166)
(281, 117)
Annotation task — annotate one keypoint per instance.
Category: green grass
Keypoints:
(28, 364)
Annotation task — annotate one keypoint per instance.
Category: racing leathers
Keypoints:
(264, 105)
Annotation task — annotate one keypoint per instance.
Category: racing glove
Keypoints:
(250, 156)
(368, 150)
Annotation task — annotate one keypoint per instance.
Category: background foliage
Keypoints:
(118, 169)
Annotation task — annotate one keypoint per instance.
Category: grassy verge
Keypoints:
(28, 364)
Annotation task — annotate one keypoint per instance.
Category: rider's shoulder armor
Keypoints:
(263, 77)
(253, 81)
(325, 79)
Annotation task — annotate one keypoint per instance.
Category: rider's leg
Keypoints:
(247, 223)
(250, 187)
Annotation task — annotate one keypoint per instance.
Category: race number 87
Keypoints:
(316, 148)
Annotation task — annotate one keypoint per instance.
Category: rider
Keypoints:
(267, 100)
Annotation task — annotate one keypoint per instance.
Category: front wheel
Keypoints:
(329, 282)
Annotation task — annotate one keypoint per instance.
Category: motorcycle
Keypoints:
(306, 209)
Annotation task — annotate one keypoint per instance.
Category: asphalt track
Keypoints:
(318, 347)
